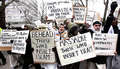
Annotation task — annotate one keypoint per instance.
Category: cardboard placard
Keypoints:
(80, 14)
(90, 17)
(105, 44)
(59, 9)
(19, 44)
(77, 48)
(13, 14)
(5, 39)
(42, 43)
(118, 15)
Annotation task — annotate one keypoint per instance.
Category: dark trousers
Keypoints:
(3, 58)
(26, 66)
(71, 66)
(37, 66)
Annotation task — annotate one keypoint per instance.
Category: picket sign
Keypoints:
(42, 43)
(19, 43)
(59, 9)
(90, 17)
(105, 44)
(77, 48)
(80, 14)
(5, 39)
(118, 16)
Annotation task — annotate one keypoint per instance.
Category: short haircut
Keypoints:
(62, 24)
(96, 22)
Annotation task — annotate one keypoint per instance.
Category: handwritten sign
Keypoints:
(19, 44)
(5, 39)
(60, 9)
(18, 15)
(105, 44)
(43, 42)
(90, 17)
(75, 49)
(119, 19)
(80, 14)
(118, 15)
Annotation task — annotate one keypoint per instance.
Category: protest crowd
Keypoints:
(65, 45)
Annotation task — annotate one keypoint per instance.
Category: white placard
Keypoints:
(77, 48)
(13, 14)
(90, 17)
(119, 16)
(19, 44)
(6, 37)
(105, 44)
(42, 43)
(60, 9)
(80, 14)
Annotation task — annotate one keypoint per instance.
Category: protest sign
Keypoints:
(80, 14)
(5, 39)
(42, 43)
(90, 17)
(77, 48)
(19, 43)
(105, 44)
(119, 19)
(18, 16)
(60, 9)
(118, 16)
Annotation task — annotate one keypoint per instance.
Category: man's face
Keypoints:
(61, 28)
(97, 27)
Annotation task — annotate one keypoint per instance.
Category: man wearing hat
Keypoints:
(97, 27)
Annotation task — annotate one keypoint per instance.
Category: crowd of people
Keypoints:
(69, 29)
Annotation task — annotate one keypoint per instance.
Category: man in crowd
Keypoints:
(71, 27)
(97, 27)
(61, 34)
